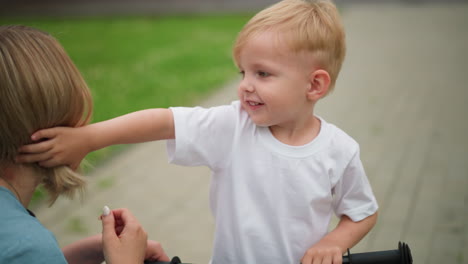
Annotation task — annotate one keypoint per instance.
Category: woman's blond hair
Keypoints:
(313, 26)
(40, 87)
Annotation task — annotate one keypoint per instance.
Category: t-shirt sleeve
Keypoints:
(353, 194)
(203, 136)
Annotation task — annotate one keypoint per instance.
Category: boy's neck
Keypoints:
(297, 135)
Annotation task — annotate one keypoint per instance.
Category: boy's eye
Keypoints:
(242, 73)
(263, 74)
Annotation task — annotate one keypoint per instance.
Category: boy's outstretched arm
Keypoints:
(330, 249)
(68, 146)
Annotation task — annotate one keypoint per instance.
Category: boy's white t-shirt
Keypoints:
(271, 201)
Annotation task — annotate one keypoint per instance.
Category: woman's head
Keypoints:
(40, 87)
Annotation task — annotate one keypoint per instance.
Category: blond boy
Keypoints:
(278, 170)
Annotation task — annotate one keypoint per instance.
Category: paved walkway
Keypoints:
(402, 94)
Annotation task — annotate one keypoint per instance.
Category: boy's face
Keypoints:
(275, 82)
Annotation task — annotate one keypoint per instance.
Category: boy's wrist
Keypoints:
(331, 243)
(100, 135)
(91, 139)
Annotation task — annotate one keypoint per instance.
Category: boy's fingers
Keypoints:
(36, 147)
(337, 259)
(328, 260)
(49, 163)
(30, 158)
(45, 133)
(74, 166)
(306, 260)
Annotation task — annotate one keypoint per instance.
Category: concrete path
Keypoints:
(402, 94)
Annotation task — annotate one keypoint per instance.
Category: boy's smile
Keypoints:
(254, 105)
(275, 82)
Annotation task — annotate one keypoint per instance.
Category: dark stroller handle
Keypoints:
(402, 255)
(175, 260)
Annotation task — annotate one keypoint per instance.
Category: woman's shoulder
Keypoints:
(25, 240)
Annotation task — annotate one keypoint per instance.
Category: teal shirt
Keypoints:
(23, 239)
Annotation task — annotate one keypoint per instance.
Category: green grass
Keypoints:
(133, 63)
(76, 225)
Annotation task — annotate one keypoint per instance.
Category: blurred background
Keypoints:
(402, 95)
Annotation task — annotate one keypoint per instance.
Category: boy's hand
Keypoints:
(330, 249)
(322, 253)
(56, 146)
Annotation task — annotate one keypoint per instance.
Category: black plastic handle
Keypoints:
(174, 260)
(402, 255)
(159, 262)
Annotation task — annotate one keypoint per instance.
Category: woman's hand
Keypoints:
(155, 252)
(118, 230)
(125, 241)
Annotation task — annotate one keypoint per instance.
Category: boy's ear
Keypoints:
(319, 84)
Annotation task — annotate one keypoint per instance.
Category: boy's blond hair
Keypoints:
(40, 87)
(313, 26)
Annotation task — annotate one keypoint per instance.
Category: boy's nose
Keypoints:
(247, 86)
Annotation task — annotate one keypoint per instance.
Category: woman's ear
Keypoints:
(319, 84)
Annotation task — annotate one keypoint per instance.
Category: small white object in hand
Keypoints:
(106, 211)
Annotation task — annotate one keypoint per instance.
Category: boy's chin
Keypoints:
(261, 123)
(258, 121)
